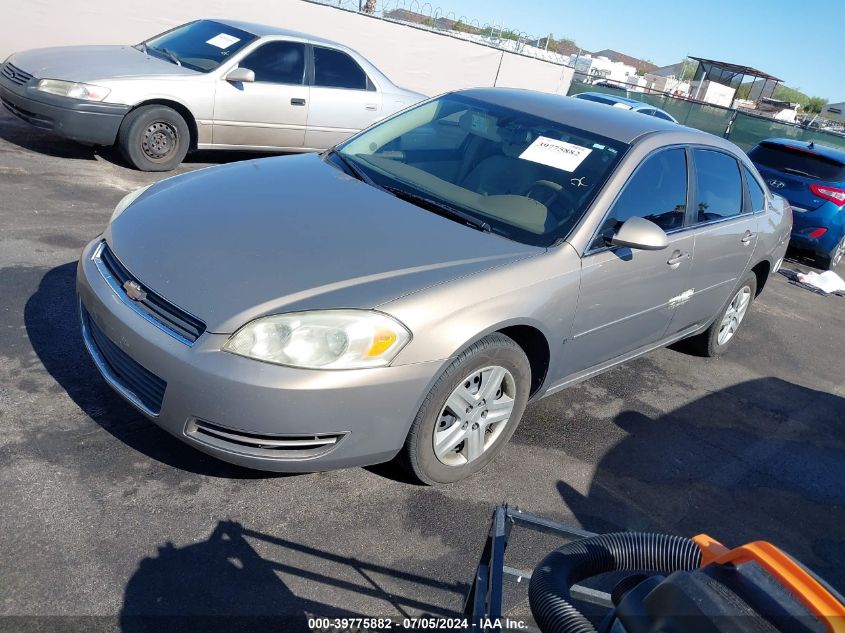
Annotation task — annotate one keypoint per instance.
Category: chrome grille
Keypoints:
(153, 307)
(15, 74)
(272, 446)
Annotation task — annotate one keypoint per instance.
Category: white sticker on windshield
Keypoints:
(224, 40)
(554, 153)
(624, 106)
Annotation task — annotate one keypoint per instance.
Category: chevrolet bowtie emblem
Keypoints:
(134, 291)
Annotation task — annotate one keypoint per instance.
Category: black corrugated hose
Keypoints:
(548, 593)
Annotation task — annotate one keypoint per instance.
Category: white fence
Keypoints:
(418, 59)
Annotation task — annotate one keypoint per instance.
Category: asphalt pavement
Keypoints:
(108, 522)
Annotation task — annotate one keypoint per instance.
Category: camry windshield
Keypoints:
(521, 176)
(201, 45)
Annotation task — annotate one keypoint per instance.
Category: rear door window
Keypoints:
(718, 186)
(798, 162)
(336, 69)
(756, 195)
(277, 62)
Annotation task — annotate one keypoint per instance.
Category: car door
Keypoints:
(344, 100)
(628, 296)
(724, 224)
(270, 112)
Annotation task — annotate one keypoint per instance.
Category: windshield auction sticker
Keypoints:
(554, 153)
(224, 40)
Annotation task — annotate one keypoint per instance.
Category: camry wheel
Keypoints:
(154, 138)
(722, 332)
(470, 413)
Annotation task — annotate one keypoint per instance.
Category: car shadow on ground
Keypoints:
(760, 460)
(52, 325)
(223, 583)
(32, 139)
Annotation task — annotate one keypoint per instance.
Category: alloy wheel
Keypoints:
(734, 315)
(474, 416)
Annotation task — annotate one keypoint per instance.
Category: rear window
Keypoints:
(798, 161)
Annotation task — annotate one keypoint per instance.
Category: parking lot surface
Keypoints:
(106, 517)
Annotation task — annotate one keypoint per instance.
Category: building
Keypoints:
(835, 111)
(592, 69)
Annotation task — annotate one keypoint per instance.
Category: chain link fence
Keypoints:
(433, 17)
(742, 128)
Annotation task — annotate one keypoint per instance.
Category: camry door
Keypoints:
(724, 223)
(270, 112)
(343, 99)
(628, 296)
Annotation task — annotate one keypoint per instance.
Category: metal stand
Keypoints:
(484, 600)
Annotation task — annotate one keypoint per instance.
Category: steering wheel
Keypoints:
(545, 191)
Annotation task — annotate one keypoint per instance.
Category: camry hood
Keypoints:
(93, 63)
(231, 243)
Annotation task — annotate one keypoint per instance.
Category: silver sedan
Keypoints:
(209, 84)
(410, 291)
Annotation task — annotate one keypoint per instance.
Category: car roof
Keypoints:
(264, 30)
(621, 125)
(826, 151)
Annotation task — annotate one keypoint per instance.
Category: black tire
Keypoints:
(418, 456)
(154, 138)
(707, 343)
(830, 261)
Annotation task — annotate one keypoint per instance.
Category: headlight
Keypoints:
(127, 200)
(71, 89)
(325, 339)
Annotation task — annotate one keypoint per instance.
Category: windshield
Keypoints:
(201, 45)
(528, 178)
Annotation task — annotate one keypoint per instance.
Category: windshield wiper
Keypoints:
(421, 201)
(440, 208)
(169, 53)
(353, 169)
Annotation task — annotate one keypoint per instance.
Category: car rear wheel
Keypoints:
(154, 138)
(831, 261)
(721, 334)
(470, 413)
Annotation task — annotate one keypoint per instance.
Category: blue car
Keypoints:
(812, 178)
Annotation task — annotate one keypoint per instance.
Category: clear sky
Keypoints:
(799, 42)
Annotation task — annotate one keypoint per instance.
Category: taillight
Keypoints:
(834, 194)
(816, 233)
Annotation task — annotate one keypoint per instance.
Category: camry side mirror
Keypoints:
(641, 234)
(241, 75)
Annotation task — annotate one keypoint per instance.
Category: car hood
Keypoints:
(92, 63)
(234, 242)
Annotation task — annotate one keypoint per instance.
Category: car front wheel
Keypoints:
(154, 138)
(470, 413)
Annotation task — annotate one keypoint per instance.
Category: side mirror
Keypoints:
(641, 234)
(239, 75)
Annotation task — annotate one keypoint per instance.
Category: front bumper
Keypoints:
(83, 121)
(247, 412)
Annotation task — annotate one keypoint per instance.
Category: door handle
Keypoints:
(747, 237)
(370, 106)
(297, 102)
(677, 258)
